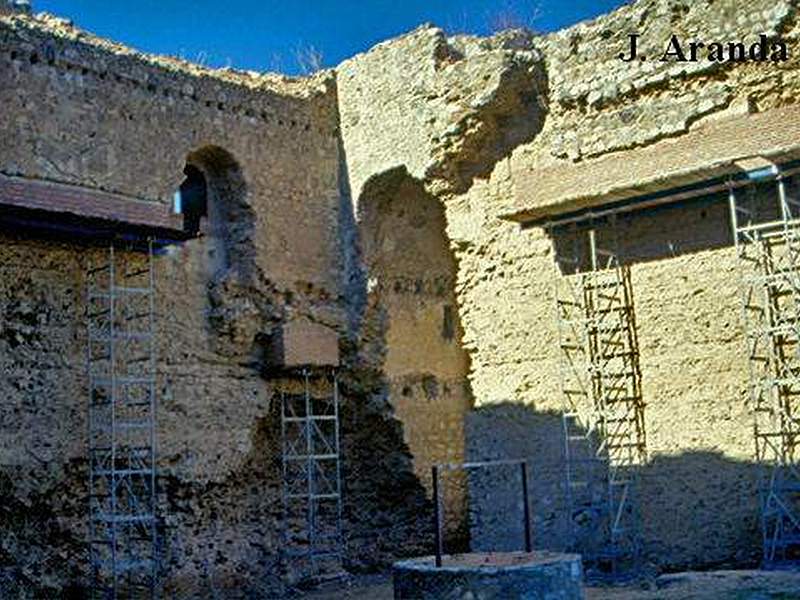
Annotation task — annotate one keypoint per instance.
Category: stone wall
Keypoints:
(698, 490)
(699, 485)
(41, 302)
(86, 112)
(411, 301)
(370, 202)
(482, 99)
(583, 105)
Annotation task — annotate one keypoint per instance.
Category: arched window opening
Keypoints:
(213, 201)
(192, 200)
(412, 309)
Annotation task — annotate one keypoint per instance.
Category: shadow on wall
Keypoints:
(230, 224)
(386, 511)
(237, 516)
(673, 230)
(514, 431)
(354, 276)
(411, 331)
(243, 305)
(700, 508)
(41, 554)
(663, 232)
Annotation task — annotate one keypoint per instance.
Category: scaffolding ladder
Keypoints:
(312, 488)
(603, 410)
(768, 252)
(121, 436)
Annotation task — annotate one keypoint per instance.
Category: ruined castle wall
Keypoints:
(700, 476)
(83, 111)
(439, 139)
(40, 308)
(410, 293)
(431, 146)
(694, 369)
(205, 444)
(86, 112)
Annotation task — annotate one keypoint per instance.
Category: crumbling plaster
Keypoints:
(587, 105)
(459, 120)
(84, 111)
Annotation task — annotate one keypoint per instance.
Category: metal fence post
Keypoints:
(526, 506)
(436, 516)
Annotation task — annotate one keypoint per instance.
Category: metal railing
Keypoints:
(437, 518)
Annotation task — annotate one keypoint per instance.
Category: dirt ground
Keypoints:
(712, 585)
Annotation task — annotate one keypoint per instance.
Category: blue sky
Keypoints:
(266, 35)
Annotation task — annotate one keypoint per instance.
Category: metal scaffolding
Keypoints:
(768, 247)
(603, 415)
(312, 488)
(121, 370)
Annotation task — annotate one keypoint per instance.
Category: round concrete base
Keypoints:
(491, 576)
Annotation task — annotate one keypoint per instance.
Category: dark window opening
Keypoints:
(193, 199)
(448, 323)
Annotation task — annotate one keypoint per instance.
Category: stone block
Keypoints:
(301, 343)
